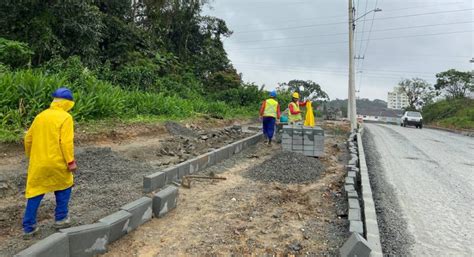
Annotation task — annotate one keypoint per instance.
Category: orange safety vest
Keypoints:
(294, 117)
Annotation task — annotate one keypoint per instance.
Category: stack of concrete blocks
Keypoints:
(305, 140)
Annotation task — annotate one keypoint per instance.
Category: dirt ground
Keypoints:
(244, 216)
(108, 166)
(237, 215)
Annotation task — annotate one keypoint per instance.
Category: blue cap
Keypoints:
(64, 93)
(273, 93)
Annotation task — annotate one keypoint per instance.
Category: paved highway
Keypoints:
(423, 184)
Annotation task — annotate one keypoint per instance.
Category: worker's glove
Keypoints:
(72, 166)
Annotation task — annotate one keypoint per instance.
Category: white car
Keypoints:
(412, 119)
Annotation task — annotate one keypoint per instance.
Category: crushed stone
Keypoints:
(287, 168)
(176, 129)
(103, 173)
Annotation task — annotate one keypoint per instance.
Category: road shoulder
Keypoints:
(395, 237)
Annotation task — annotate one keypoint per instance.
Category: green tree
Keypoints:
(307, 89)
(417, 90)
(53, 28)
(454, 83)
(223, 80)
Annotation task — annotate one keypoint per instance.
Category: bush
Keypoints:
(25, 93)
(452, 113)
(14, 54)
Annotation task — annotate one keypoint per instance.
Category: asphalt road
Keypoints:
(423, 184)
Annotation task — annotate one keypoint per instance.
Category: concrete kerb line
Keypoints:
(362, 216)
(59, 244)
(152, 182)
(370, 216)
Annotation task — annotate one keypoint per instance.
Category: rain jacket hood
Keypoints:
(63, 104)
(49, 144)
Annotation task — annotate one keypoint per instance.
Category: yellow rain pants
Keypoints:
(49, 145)
(309, 118)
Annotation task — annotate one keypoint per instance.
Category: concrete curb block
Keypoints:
(164, 201)
(370, 216)
(55, 245)
(153, 181)
(356, 245)
(141, 211)
(118, 224)
(159, 179)
(87, 240)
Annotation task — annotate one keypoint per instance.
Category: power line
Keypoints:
(335, 23)
(338, 68)
(405, 58)
(345, 16)
(387, 76)
(363, 24)
(361, 63)
(345, 33)
(344, 42)
(356, 34)
(278, 3)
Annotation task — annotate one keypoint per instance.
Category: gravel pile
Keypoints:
(287, 168)
(104, 182)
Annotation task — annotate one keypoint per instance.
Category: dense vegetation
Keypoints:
(122, 60)
(457, 113)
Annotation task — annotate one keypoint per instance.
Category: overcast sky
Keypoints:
(280, 40)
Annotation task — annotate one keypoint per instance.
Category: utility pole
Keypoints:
(351, 101)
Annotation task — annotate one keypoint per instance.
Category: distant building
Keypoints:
(397, 99)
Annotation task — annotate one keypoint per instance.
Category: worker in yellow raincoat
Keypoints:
(49, 145)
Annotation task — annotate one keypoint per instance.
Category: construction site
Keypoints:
(258, 200)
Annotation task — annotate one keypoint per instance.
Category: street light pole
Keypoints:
(351, 101)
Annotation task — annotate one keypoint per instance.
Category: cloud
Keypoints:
(276, 41)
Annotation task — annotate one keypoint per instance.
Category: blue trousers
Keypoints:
(32, 205)
(269, 127)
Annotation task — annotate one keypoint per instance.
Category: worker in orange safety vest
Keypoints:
(294, 114)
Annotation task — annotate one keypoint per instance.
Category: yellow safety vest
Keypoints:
(271, 106)
(294, 117)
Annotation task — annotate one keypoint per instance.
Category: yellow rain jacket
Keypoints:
(309, 119)
(49, 144)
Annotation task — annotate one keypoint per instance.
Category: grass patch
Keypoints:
(451, 113)
(25, 93)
